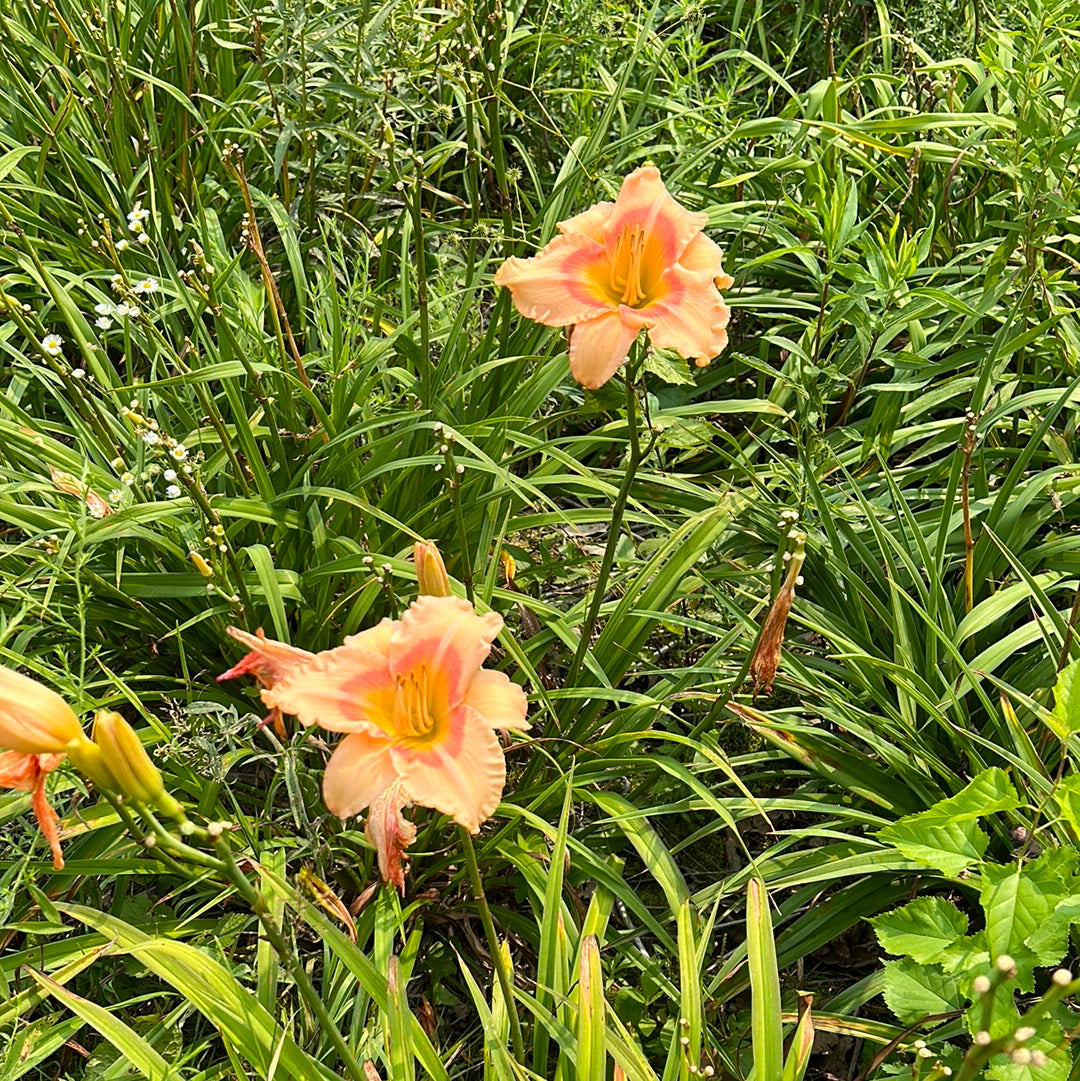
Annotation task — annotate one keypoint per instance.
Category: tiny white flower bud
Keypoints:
(1063, 977)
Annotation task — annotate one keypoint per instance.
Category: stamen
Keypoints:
(626, 267)
(414, 717)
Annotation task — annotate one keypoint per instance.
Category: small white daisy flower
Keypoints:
(122, 244)
(169, 474)
(116, 495)
(127, 310)
(103, 309)
(179, 452)
(146, 285)
(127, 479)
(173, 491)
(103, 321)
(143, 238)
(78, 373)
(151, 439)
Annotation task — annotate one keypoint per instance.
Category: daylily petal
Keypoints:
(48, 821)
(691, 318)
(564, 284)
(499, 700)
(27, 773)
(644, 203)
(348, 689)
(447, 637)
(391, 833)
(34, 719)
(703, 253)
(462, 775)
(267, 660)
(375, 639)
(598, 347)
(359, 770)
(589, 222)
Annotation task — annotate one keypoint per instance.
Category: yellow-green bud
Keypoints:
(431, 574)
(137, 778)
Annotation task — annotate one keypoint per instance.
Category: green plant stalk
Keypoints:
(497, 959)
(614, 530)
(287, 955)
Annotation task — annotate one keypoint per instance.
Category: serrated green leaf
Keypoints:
(1050, 939)
(946, 835)
(922, 930)
(914, 991)
(668, 366)
(1017, 899)
(966, 954)
(1064, 718)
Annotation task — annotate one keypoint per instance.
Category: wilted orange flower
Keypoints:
(641, 262)
(27, 773)
(268, 661)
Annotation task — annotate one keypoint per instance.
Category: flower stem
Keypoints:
(505, 983)
(633, 460)
(285, 952)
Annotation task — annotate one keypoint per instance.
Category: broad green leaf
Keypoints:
(1017, 899)
(122, 1036)
(914, 991)
(1050, 939)
(1064, 718)
(1067, 794)
(214, 992)
(922, 930)
(946, 835)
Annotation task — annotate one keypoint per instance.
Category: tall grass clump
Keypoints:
(252, 353)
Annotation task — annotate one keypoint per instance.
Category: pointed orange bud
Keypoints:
(33, 719)
(431, 574)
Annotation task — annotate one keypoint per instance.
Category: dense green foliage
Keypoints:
(325, 192)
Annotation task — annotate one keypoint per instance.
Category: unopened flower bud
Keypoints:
(33, 719)
(982, 1038)
(136, 776)
(431, 576)
(980, 985)
(1023, 1034)
(1063, 977)
(1006, 965)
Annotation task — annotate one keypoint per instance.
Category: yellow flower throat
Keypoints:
(628, 267)
(413, 716)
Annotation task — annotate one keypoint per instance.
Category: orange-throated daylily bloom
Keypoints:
(641, 262)
(419, 713)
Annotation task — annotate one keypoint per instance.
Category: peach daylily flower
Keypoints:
(641, 262)
(419, 712)
(27, 773)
